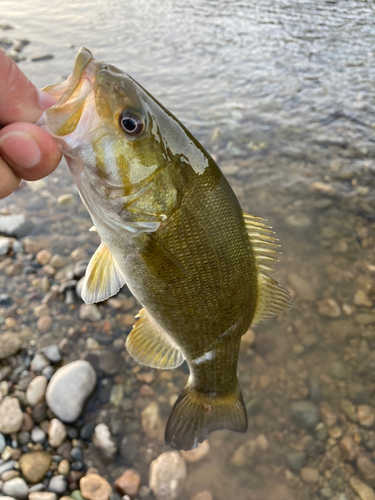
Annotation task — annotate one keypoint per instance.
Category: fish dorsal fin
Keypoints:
(148, 344)
(104, 277)
(272, 298)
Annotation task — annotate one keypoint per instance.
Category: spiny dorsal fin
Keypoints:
(272, 298)
(104, 277)
(149, 345)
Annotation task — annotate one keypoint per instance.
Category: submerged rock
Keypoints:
(304, 414)
(11, 416)
(15, 225)
(167, 475)
(95, 487)
(10, 343)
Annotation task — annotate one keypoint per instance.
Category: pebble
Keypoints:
(42, 495)
(9, 474)
(367, 469)
(69, 388)
(197, 453)
(43, 57)
(11, 416)
(15, 225)
(44, 324)
(128, 483)
(349, 409)
(6, 466)
(35, 465)
(302, 287)
(10, 343)
(38, 435)
(365, 415)
(56, 433)
(309, 475)
(296, 460)
(168, 474)
(89, 312)
(64, 467)
(39, 363)
(364, 491)
(2, 443)
(110, 362)
(203, 495)
(16, 488)
(298, 220)
(36, 390)
(95, 487)
(52, 353)
(151, 421)
(57, 261)
(304, 414)
(328, 415)
(79, 254)
(349, 449)
(43, 257)
(329, 308)
(58, 484)
(338, 370)
(361, 299)
(104, 442)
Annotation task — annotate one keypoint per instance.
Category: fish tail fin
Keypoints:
(196, 414)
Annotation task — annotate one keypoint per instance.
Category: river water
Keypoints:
(282, 94)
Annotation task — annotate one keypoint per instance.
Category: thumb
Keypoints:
(20, 100)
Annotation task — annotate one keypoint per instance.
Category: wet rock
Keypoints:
(328, 415)
(36, 390)
(40, 412)
(367, 469)
(296, 460)
(110, 362)
(38, 435)
(203, 495)
(39, 363)
(365, 415)
(349, 449)
(361, 299)
(349, 409)
(57, 261)
(358, 394)
(69, 389)
(10, 343)
(128, 483)
(128, 448)
(198, 453)
(42, 57)
(64, 467)
(167, 475)
(34, 466)
(15, 225)
(151, 421)
(244, 454)
(44, 324)
(104, 442)
(11, 416)
(362, 490)
(58, 484)
(16, 488)
(43, 257)
(52, 353)
(9, 474)
(304, 414)
(56, 433)
(89, 312)
(2, 443)
(42, 495)
(94, 487)
(338, 370)
(309, 475)
(329, 308)
(302, 287)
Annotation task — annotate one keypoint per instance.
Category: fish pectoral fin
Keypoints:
(272, 298)
(104, 277)
(148, 344)
(196, 414)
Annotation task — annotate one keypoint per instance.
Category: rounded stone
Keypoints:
(10, 343)
(168, 475)
(363, 491)
(69, 389)
(56, 433)
(36, 390)
(58, 484)
(16, 488)
(128, 483)
(296, 460)
(95, 487)
(197, 453)
(35, 465)
(90, 312)
(42, 495)
(304, 414)
(11, 416)
(39, 363)
(151, 421)
(309, 475)
(43, 257)
(104, 442)
(203, 495)
(367, 468)
(365, 415)
(44, 324)
(52, 353)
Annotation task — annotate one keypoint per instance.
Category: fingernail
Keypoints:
(20, 149)
(45, 100)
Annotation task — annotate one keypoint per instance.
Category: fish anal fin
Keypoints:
(195, 415)
(272, 298)
(104, 277)
(149, 345)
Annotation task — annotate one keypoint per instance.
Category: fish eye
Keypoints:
(131, 123)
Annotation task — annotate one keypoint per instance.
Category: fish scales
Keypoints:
(173, 230)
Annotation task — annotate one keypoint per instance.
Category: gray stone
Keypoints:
(56, 433)
(303, 288)
(104, 442)
(69, 388)
(7, 466)
(16, 488)
(39, 363)
(338, 370)
(36, 390)
(304, 414)
(15, 225)
(11, 416)
(48, 371)
(2, 443)
(168, 475)
(10, 343)
(296, 460)
(4, 245)
(52, 353)
(58, 484)
(43, 57)
(89, 312)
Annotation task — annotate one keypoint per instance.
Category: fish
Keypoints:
(173, 231)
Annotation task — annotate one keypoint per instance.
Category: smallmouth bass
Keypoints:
(172, 229)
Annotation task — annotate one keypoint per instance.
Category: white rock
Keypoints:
(37, 435)
(16, 488)
(103, 440)
(15, 225)
(58, 484)
(2, 443)
(36, 390)
(167, 475)
(89, 312)
(56, 433)
(42, 495)
(11, 416)
(69, 388)
(39, 363)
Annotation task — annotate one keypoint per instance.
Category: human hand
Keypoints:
(26, 151)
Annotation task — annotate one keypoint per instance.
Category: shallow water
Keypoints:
(281, 93)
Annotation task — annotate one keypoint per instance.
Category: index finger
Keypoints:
(20, 100)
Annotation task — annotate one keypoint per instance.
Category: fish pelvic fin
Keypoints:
(104, 277)
(272, 298)
(148, 344)
(195, 415)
